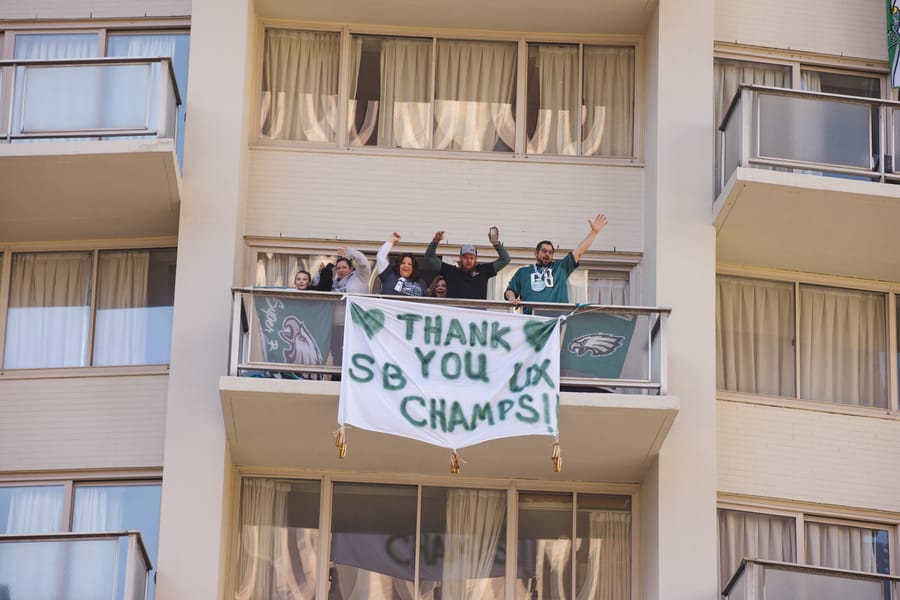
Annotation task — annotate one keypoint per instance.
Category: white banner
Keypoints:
(448, 376)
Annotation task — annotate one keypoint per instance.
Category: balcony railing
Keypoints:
(638, 364)
(71, 566)
(769, 580)
(89, 98)
(809, 132)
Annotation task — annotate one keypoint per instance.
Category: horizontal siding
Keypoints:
(808, 456)
(365, 197)
(855, 28)
(21, 10)
(83, 423)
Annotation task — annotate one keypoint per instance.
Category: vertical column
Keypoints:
(680, 549)
(193, 528)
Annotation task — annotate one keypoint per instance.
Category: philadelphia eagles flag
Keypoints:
(595, 344)
(893, 38)
(294, 331)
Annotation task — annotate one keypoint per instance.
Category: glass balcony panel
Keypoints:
(794, 585)
(895, 119)
(733, 140)
(815, 130)
(107, 97)
(134, 584)
(61, 569)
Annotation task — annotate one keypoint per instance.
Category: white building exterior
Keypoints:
(762, 422)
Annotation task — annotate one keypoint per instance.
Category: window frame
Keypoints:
(891, 290)
(342, 146)
(512, 487)
(6, 254)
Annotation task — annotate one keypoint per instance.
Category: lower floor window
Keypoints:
(430, 542)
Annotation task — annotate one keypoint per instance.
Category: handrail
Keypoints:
(787, 566)
(87, 535)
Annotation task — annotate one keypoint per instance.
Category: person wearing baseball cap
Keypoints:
(470, 278)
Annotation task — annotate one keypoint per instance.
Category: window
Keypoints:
(384, 538)
(56, 296)
(92, 507)
(823, 542)
(448, 94)
(840, 354)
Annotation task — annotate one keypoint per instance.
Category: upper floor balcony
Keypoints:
(88, 148)
(68, 566)
(758, 579)
(280, 397)
(804, 181)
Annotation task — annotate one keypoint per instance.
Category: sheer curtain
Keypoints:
(843, 346)
(32, 509)
(728, 75)
(278, 270)
(845, 547)
(607, 574)
(753, 535)
(121, 329)
(49, 313)
(556, 128)
(405, 93)
(609, 101)
(299, 85)
(473, 92)
(754, 336)
(475, 520)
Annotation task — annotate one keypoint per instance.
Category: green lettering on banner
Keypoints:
(455, 332)
(478, 334)
(481, 375)
(358, 361)
(533, 376)
(446, 367)
(438, 414)
(482, 413)
(410, 322)
(497, 334)
(532, 416)
(433, 329)
(405, 412)
(457, 417)
(424, 359)
(392, 373)
(503, 407)
(546, 398)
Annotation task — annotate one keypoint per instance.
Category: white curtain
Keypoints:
(279, 270)
(753, 535)
(299, 85)
(608, 101)
(841, 547)
(23, 568)
(473, 90)
(607, 573)
(405, 93)
(843, 346)
(49, 313)
(122, 321)
(125, 106)
(475, 520)
(754, 336)
(730, 74)
(276, 561)
(556, 128)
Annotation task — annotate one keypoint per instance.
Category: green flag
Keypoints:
(293, 330)
(893, 39)
(595, 344)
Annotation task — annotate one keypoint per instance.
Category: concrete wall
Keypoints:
(82, 423)
(856, 29)
(365, 197)
(809, 455)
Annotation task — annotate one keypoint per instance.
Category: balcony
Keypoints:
(805, 181)
(70, 566)
(760, 579)
(613, 416)
(88, 148)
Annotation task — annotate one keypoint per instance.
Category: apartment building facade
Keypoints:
(747, 424)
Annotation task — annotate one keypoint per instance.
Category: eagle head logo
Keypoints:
(596, 344)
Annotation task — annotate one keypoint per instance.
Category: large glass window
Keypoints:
(443, 94)
(847, 547)
(49, 317)
(841, 350)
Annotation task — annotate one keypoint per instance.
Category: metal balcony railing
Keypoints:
(71, 566)
(89, 98)
(638, 364)
(809, 132)
(770, 580)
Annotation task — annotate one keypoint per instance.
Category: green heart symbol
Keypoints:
(372, 321)
(538, 332)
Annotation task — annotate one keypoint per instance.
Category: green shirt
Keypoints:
(531, 283)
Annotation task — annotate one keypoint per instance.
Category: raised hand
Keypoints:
(493, 236)
(438, 236)
(598, 223)
(395, 237)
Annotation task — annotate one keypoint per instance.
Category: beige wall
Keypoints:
(365, 197)
(855, 28)
(26, 10)
(82, 423)
(809, 455)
